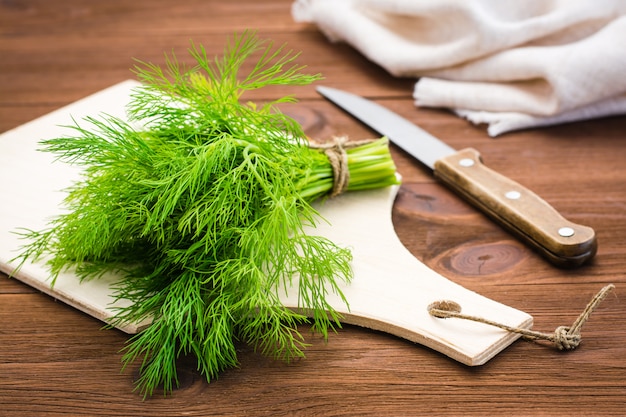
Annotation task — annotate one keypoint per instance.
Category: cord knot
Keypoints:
(564, 337)
(566, 340)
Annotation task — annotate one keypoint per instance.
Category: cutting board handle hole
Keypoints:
(443, 306)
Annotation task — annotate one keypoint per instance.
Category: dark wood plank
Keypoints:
(57, 361)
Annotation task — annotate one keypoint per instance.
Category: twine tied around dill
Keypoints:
(335, 150)
(564, 337)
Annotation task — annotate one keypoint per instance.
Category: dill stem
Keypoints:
(369, 165)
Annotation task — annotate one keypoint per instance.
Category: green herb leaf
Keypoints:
(202, 211)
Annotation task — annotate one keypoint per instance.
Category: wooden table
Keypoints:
(55, 360)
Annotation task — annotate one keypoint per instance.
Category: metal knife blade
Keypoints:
(516, 208)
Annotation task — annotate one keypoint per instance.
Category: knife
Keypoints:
(516, 208)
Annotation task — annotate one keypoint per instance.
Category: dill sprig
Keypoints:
(202, 211)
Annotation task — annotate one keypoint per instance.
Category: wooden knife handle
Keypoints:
(518, 209)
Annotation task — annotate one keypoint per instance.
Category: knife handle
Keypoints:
(518, 209)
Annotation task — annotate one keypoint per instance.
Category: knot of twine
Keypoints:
(338, 158)
(564, 337)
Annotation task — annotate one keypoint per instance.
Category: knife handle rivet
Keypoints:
(466, 162)
(513, 195)
(566, 231)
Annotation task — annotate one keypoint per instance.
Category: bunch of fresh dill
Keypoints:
(201, 210)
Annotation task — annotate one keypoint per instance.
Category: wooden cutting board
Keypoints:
(391, 289)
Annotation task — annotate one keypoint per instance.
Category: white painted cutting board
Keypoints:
(390, 291)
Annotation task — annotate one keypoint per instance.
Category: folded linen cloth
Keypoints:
(510, 64)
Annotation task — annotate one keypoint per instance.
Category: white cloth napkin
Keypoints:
(511, 64)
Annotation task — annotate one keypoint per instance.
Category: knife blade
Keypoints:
(516, 208)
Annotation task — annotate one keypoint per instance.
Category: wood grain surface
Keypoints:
(57, 361)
